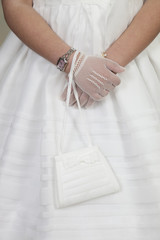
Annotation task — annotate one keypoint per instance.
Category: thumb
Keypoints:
(114, 66)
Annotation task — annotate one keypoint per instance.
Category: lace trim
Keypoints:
(78, 62)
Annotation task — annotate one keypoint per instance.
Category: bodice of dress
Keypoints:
(53, 2)
(90, 18)
(72, 1)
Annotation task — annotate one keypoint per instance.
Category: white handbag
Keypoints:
(83, 174)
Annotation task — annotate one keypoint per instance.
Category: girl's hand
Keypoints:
(94, 75)
(94, 78)
(84, 99)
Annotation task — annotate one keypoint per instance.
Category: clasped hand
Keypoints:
(94, 78)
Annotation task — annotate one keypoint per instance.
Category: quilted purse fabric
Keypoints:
(83, 174)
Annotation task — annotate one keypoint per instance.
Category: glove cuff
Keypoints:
(78, 63)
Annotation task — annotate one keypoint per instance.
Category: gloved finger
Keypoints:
(108, 84)
(112, 78)
(105, 81)
(96, 97)
(92, 93)
(114, 66)
(89, 103)
(103, 92)
(83, 99)
(63, 96)
(72, 99)
(79, 92)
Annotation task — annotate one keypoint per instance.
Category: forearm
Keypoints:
(140, 33)
(33, 30)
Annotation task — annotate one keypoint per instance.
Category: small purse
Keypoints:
(83, 174)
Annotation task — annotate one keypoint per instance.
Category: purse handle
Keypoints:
(71, 82)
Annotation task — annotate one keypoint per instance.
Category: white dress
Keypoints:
(126, 127)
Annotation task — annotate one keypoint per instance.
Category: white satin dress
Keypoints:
(126, 127)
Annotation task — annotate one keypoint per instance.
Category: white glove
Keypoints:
(84, 99)
(94, 75)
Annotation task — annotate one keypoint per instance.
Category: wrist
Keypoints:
(115, 53)
(67, 70)
(63, 61)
